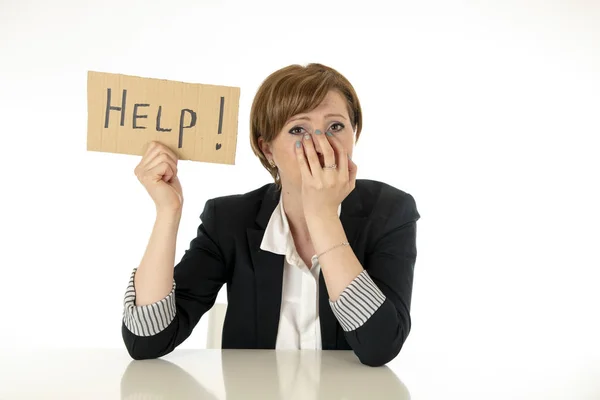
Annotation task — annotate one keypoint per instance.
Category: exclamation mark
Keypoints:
(221, 120)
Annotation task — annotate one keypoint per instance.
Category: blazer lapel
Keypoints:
(268, 274)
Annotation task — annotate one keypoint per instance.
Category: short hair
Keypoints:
(292, 90)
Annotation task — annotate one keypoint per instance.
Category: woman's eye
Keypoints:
(340, 125)
(294, 131)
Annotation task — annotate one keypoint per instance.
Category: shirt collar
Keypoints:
(278, 237)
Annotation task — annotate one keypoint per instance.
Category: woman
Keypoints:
(314, 260)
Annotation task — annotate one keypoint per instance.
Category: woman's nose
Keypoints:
(316, 142)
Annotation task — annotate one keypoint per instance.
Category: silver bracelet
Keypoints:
(336, 246)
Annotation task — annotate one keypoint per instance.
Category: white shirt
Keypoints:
(299, 323)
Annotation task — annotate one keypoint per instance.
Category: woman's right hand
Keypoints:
(157, 171)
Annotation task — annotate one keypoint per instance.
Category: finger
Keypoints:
(165, 150)
(302, 162)
(147, 147)
(155, 156)
(159, 172)
(154, 149)
(326, 149)
(170, 175)
(311, 154)
(353, 170)
(153, 145)
(162, 158)
(342, 156)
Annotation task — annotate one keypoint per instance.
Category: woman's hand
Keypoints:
(157, 172)
(324, 189)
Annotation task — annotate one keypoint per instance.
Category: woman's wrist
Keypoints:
(172, 215)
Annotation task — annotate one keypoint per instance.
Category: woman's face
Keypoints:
(331, 115)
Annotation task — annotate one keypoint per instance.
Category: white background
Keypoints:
(488, 113)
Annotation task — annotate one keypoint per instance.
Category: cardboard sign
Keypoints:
(197, 121)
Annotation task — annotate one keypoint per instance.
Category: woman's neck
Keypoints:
(292, 205)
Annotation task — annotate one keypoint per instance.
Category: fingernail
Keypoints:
(306, 137)
(329, 133)
(349, 157)
(298, 144)
(318, 132)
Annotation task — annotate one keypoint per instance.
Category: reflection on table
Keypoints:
(265, 374)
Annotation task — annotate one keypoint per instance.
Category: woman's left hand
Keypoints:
(324, 189)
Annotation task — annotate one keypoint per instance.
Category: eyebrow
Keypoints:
(326, 116)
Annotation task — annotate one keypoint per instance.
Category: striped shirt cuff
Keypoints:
(150, 319)
(357, 303)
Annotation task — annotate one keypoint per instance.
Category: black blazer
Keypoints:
(380, 223)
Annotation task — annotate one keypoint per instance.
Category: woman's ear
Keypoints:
(265, 148)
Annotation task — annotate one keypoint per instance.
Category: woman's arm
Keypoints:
(372, 304)
(153, 329)
(154, 277)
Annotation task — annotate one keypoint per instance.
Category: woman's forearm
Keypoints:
(154, 276)
(339, 265)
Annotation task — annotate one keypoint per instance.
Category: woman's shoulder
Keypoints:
(383, 198)
(241, 199)
(240, 209)
(382, 191)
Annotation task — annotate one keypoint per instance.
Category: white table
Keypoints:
(262, 374)
(196, 374)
